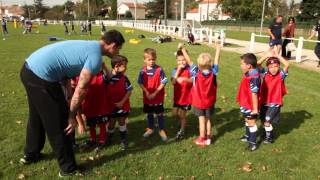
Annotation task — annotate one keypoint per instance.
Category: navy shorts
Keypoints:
(274, 42)
(183, 107)
(153, 108)
(117, 113)
(203, 112)
(96, 120)
(270, 114)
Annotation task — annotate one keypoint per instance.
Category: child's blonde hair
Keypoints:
(204, 61)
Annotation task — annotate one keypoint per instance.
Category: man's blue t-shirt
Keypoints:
(64, 60)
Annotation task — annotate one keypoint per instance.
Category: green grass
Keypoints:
(295, 155)
(246, 36)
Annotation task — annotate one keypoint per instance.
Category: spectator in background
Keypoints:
(274, 30)
(4, 26)
(316, 30)
(288, 33)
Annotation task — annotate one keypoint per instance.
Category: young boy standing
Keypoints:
(204, 92)
(118, 90)
(248, 96)
(152, 81)
(272, 91)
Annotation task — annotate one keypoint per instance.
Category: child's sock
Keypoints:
(110, 134)
(253, 134)
(247, 130)
(103, 133)
(160, 121)
(123, 132)
(93, 134)
(269, 132)
(150, 119)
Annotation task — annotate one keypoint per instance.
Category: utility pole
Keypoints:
(262, 16)
(165, 12)
(88, 9)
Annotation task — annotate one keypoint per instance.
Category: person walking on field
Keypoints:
(274, 30)
(288, 33)
(316, 30)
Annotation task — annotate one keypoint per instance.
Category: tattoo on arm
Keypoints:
(80, 91)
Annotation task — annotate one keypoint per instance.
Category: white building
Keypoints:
(207, 7)
(128, 6)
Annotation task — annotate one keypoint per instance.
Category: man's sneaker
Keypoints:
(163, 135)
(148, 133)
(208, 141)
(200, 141)
(244, 138)
(124, 144)
(180, 135)
(69, 174)
(267, 141)
(28, 159)
(252, 147)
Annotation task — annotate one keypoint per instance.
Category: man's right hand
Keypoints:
(72, 124)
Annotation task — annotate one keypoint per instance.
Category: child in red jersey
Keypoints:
(182, 84)
(203, 92)
(271, 93)
(118, 90)
(152, 81)
(248, 96)
(94, 111)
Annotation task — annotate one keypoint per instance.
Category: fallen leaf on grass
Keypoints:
(192, 177)
(160, 178)
(11, 162)
(19, 122)
(277, 150)
(210, 174)
(21, 176)
(247, 167)
(264, 168)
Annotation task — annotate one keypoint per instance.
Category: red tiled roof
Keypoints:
(210, 1)
(131, 5)
(194, 10)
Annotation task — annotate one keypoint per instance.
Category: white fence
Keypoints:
(299, 48)
(201, 34)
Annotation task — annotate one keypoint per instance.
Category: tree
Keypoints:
(56, 12)
(40, 9)
(114, 7)
(242, 9)
(128, 15)
(310, 9)
(156, 8)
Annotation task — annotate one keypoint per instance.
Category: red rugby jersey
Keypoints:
(182, 91)
(116, 90)
(204, 90)
(244, 97)
(151, 83)
(272, 89)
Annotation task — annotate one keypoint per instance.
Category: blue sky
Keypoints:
(55, 2)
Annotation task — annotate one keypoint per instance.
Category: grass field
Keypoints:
(294, 155)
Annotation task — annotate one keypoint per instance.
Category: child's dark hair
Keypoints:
(249, 58)
(113, 36)
(118, 60)
(179, 53)
(151, 52)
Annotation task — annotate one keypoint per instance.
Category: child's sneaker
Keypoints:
(180, 135)
(267, 141)
(148, 133)
(200, 141)
(123, 145)
(163, 135)
(208, 141)
(252, 147)
(28, 159)
(76, 172)
(244, 138)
